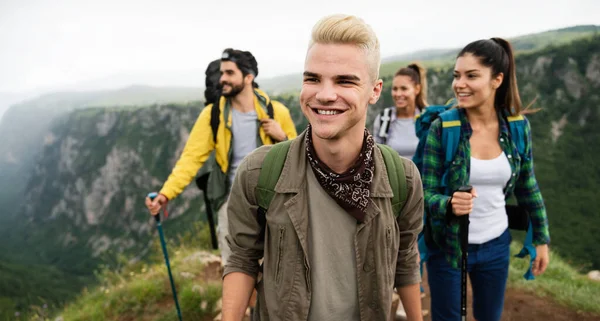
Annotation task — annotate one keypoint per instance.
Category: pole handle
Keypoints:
(152, 196)
(465, 188)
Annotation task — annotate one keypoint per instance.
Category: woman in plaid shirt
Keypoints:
(485, 86)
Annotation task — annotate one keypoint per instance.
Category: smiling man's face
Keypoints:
(337, 89)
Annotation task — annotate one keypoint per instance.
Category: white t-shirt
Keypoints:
(488, 220)
(402, 137)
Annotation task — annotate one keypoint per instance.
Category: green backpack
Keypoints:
(273, 164)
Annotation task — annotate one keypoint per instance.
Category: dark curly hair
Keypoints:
(244, 60)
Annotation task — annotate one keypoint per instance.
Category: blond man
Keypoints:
(333, 248)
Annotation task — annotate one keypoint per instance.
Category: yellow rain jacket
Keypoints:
(200, 143)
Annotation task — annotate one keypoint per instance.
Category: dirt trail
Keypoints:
(523, 306)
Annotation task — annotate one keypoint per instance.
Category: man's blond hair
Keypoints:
(347, 29)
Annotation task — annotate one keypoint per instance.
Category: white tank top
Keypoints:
(488, 219)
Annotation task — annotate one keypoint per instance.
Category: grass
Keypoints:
(142, 291)
(145, 294)
(561, 282)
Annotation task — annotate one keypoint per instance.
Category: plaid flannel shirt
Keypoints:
(444, 227)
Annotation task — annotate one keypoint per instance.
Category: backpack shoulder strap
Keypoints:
(396, 175)
(270, 111)
(517, 132)
(214, 119)
(450, 138)
(451, 101)
(384, 122)
(450, 132)
(269, 174)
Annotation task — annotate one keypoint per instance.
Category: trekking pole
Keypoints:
(464, 246)
(166, 255)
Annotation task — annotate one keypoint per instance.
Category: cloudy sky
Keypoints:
(65, 44)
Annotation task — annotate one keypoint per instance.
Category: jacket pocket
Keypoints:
(280, 247)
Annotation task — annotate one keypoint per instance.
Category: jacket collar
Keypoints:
(261, 100)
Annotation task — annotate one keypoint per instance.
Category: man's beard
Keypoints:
(235, 90)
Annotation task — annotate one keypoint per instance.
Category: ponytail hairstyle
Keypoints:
(418, 75)
(497, 54)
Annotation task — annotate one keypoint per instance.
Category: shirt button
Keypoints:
(510, 185)
(514, 174)
(509, 156)
(502, 139)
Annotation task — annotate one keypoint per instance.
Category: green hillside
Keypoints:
(25, 285)
(524, 44)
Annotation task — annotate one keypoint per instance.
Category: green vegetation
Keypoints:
(145, 293)
(40, 285)
(141, 291)
(561, 282)
(559, 37)
(131, 289)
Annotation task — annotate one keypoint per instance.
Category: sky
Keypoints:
(82, 44)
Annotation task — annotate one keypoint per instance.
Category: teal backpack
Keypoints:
(450, 117)
(273, 164)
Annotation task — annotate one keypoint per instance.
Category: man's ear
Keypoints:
(376, 93)
(249, 79)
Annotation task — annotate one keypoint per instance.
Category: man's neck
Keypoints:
(244, 101)
(340, 154)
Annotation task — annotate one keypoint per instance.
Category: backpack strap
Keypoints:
(215, 113)
(270, 111)
(517, 135)
(269, 175)
(517, 132)
(214, 119)
(275, 159)
(528, 249)
(450, 139)
(396, 176)
(385, 120)
(422, 125)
